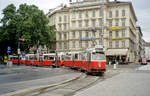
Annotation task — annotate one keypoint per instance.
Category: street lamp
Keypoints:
(18, 29)
(18, 49)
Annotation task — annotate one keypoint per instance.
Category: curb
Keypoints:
(38, 88)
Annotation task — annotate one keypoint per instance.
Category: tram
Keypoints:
(48, 59)
(14, 59)
(91, 61)
(143, 61)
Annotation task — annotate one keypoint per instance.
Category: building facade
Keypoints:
(79, 27)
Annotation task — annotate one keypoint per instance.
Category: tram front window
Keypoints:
(98, 56)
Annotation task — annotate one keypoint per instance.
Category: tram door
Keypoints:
(88, 59)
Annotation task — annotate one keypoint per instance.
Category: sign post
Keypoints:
(8, 51)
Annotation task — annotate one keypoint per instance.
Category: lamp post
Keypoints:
(18, 49)
(102, 34)
(18, 29)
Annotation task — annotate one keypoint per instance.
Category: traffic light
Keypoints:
(21, 39)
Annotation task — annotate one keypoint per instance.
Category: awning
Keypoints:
(116, 52)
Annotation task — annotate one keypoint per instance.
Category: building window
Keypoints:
(110, 14)
(80, 23)
(100, 41)
(65, 36)
(123, 44)
(80, 34)
(65, 18)
(60, 45)
(60, 27)
(59, 18)
(93, 13)
(86, 14)
(73, 44)
(110, 23)
(123, 12)
(117, 13)
(93, 23)
(86, 44)
(117, 33)
(117, 44)
(117, 22)
(60, 37)
(73, 16)
(65, 45)
(110, 34)
(80, 44)
(100, 12)
(73, 35)
(86, 23)
(87, 34)
(65, 27)
(94, 33)
(110, 44)
(73, 24)
(100, 22)
(123, 33)
(123, 22)
(100, 33)
(80, 15)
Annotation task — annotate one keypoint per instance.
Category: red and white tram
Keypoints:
(48, 59)
(92, 60)
(14, 59)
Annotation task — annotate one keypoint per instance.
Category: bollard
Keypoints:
(115, 66)
(109, 63)
(117, 63)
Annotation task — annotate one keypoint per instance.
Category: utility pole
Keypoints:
(18, 49)
(102, 34)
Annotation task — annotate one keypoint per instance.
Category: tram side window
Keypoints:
(15, 58)
(83, 57)
(35, 58)
(76, 56)
(31, 58)
(11, 58)
(45, 57)
(98, 56)
(26, 58)
(68, 58)
(51, 58)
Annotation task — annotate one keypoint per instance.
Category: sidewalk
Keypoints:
(124, 84)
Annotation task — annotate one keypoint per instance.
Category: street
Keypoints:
(21, 77)
(126, 80)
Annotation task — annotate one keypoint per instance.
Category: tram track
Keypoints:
(68, 89)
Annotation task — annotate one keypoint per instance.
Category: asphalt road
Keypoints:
(22, 77)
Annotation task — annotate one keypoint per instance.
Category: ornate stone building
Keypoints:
(80, 25)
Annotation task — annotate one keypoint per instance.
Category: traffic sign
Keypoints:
(8, 49)
(23, 54)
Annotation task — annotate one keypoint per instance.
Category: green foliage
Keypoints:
(30, 22)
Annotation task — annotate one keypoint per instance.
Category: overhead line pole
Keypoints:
(102, 34)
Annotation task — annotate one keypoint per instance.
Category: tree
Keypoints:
(29, 23)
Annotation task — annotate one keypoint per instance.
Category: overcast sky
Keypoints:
(142, 10)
